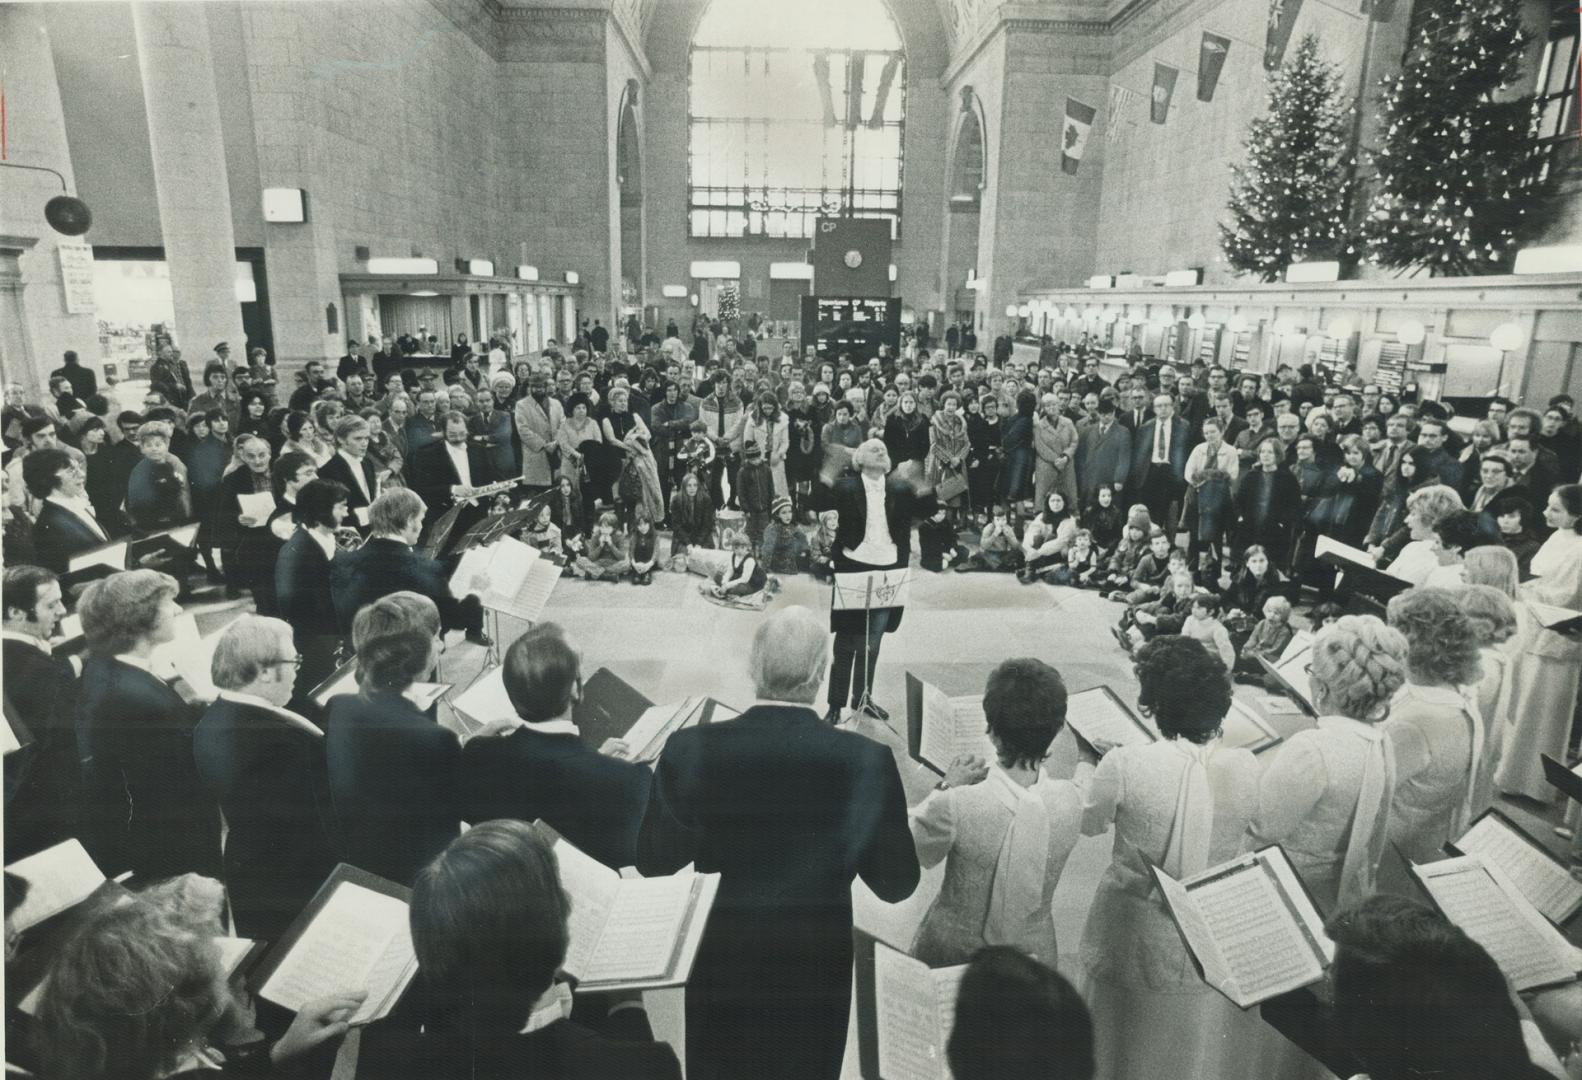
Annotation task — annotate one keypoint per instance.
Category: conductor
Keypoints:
(875, 533)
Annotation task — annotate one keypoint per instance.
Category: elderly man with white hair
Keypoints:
(788, 810)
(264, 765)
(877, 511)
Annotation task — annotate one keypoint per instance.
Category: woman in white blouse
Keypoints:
(1182, 803)
(1494, 621)
(1434, 723)
(1545, 673)
(1326, 796)
(1004, 831)
(1425, 508)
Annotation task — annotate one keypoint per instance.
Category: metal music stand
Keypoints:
(868, 589)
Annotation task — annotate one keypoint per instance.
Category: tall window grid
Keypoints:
(780, 135)
(1556, 94)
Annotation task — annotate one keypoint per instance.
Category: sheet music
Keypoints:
(1551, 615)
(947, 984)
(530, 600)
(421, 694)
(1328, 545)
(1264, 949)
(70, 628)
(257, 505)
(485, 701)
(190, 655)
(952, 727)
(1301, 641)
(361, 514)
(506, 563)
(111, 555)
(232, 950)
(1297, 670)
(911, 1043)
(640, 931)
(1101, 719)
(1545, 883)
(359, 941)
(58, 878)
(647, 737)
(1244, 728)
(1528, 950)
(889, 589)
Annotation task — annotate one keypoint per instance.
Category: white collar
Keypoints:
(452, 448)
(355, 463)
(1351, 725)
(560, 726)
(328, 546)
(871, 482)
(140, 662)
(28, 639)
(79, 506)
(772, 703)
(555, 1004)
(257, 702)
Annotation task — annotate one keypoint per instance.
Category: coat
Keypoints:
(339, 470)
(902, 507)
(145, 807)
(1102, 458)
(563, 1050)
(379, 568)
(536, 427)
(42, 779)
(1053, 440)
(1143, 448)
(596, 802)
(788, 811)
(393, 784)
(58, 534)
(269, 778)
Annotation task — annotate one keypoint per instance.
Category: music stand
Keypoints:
(492, 527)
(867, 589)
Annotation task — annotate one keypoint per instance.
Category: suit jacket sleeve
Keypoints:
(667, 839)
(888, 864)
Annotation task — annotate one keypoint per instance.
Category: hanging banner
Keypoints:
(856, 65)
(1122, 102)
(1164, 88)
(1282, 17)
(1210, 61)
(880, 99)
(1074, 139)
(826, 94)
(76, 275)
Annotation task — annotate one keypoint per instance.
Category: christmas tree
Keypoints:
(1458, 162)
(730, 303)
(1289, 201)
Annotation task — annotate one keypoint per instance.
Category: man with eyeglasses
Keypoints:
(264, 765)
(66, 523)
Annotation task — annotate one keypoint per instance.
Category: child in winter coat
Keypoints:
(605, 558)
(939, 547)
(755, 485)
(644, 551)
(784, 550)
(999, 549)
(1268, 639)
(821, 549)
(1204, 625)
(1081, 558)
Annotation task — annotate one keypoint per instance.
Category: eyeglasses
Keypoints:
(294, 661)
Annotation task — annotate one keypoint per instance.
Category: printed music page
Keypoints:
(1101, 719)
(360, 940)
(1330, 546)
(257, 506)
(591, 886)
(911, 1042)
(530, 599)
(58, 878)
(647, 737)
(1528, 950)
(952, 727)
(485, 701)
(641, 929)
(1540, 877)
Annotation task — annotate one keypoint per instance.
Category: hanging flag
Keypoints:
(886, 77)
(1282, 17)
(856, 63)
(1074, 137)
(1210, 60)
(1122, 99)
(825, 92)
(1164, 87)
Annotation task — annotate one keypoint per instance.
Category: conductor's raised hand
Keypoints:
(966, 770)
(317, 1023)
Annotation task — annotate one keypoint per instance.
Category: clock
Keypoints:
(853, 259)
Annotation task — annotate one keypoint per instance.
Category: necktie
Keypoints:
(1159, 440)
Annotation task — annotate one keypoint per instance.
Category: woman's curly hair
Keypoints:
(1442, 646)
(1184, 687)
(1492, 613)
(1359, 663)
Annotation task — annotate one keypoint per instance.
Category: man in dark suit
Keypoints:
(265, 767)
(387, 564)
(1159, 454)
(877, 512)
(146, 809)
(66, 524)
(1104, 453)
(350, 466)
(245, 541)
(535, 766)
(41, 779)
(442, 472)
(1136, 413)
(1528, 473)
(84, 383)
(302, 569)
(789, 811)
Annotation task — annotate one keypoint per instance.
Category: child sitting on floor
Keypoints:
(691, 516)
(999, 551)
(1104, 520)
(1165, 615)
(644, 547)
(743, 576)
(1203, 623)
(542, 532)
(1268, 639)
(936, 538)
(783, 550)
(1081, 558)
(1117, 570)
(1152, 571)
(605, 557)
(821, 549)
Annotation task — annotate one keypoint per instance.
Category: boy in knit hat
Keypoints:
(755, 492)
(784, 550)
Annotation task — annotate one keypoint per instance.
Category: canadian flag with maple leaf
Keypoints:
(1074, 139)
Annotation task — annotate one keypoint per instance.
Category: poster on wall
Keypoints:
(1164, 88)
(76, 276)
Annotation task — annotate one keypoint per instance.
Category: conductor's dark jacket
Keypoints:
(392, 783)
(902, 507)
(379, 568)
(594, 801)
(268, 776)
(147, 808)
(788, 810)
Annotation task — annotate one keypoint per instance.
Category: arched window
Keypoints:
(796, 109)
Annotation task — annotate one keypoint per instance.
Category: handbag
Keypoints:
(952, 486)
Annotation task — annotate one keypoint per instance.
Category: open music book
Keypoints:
(1553, 617)
(190, 655)
(632, 933)
(916, 1009)
(1568, 781)
(1328, 545)
(871, 589)
(1250, 925)
(344, 681)
(353, 935)
(940, 728)
(1543, 879)
(1293, 672)
(1103, 719)
(1244, 729)
(257, 505)
(1477, 896)
(505, 562)
(112, 555)
(58, 878)
(647, 738)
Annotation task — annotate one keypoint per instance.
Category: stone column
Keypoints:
(16, 345)
(188, 149)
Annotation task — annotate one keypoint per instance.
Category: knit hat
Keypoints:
(751, 450)
(1137, 518)
(782, 503)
